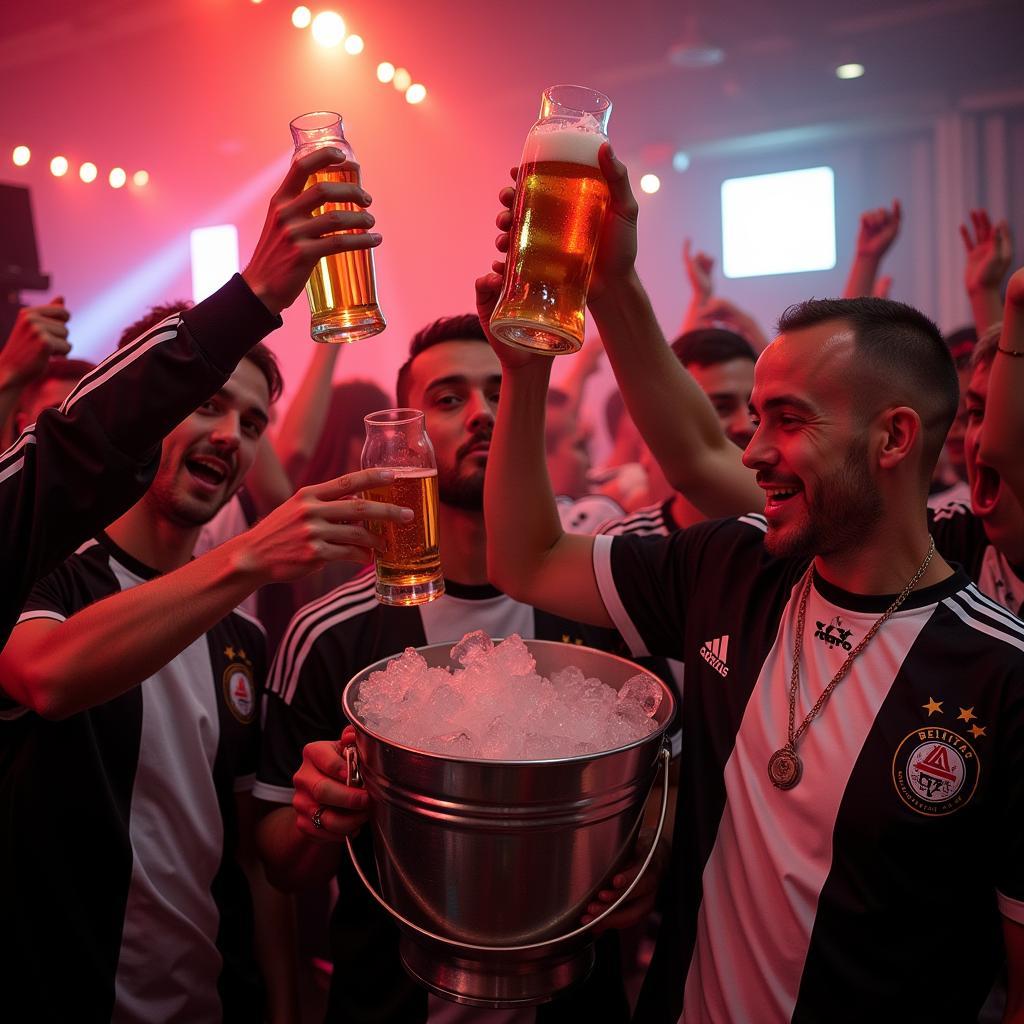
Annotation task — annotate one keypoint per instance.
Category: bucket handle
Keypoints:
(352, 764)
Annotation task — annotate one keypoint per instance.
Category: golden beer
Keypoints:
(409, 570)
(342, 290)
(560, 204)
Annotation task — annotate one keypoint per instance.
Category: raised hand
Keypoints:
(321, 784)
(318, 524)
(989, 252)
(878, 230)
(293, 239)
(39, 332)
(699, 266)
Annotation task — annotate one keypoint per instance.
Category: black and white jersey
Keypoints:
(125, 901)
(649, 521)
(76, 469)
(876, 884)
(586, 514)
(960, 537)
(327, 643)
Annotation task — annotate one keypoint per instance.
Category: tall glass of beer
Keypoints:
(561, 198)
(342, 289)
(409, 570)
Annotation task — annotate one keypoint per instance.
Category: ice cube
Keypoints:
(444, 703)
(643, 690)
(472, 647)
(512, 657)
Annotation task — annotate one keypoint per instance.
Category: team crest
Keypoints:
(239, 692)
(935, 771)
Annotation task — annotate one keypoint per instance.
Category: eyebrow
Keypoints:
(790, 401)
(252, 410)
(457, 379)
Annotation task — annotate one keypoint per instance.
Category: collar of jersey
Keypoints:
(133, 565)
(877, 603)
(471, 591)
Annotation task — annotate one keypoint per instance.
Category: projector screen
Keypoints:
(782, 223)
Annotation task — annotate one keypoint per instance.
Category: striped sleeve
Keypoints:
(78, 468)
(312, 665)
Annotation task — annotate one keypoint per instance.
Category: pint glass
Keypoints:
(409, 570)
(342, 289)
(561, 198)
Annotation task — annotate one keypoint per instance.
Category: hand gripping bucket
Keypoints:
(487, 866)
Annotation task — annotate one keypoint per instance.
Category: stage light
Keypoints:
(781, 223)
(328, 28)
(214, 253)
(416, 93)
(650, 183)
(402, 79)
(302, 17)
(140, 179)
(21, 155)
(117, 177)
(680, 162)
(59, 166)
(849, 71)
(385, 71)
(354, 44)
(87, 172)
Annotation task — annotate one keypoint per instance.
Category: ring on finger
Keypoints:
(317, 823)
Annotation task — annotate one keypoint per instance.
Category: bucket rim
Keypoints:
(360, 727)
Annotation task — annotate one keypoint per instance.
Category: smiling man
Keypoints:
(853, 717)
(129, 693)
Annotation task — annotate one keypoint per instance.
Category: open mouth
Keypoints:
(985, 489)
(207, 469)
(776, 497)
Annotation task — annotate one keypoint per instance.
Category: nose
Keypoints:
(759, 452)
(480, 414)
(740, 428)
(227, 431)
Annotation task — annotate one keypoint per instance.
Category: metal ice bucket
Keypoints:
(487, 866)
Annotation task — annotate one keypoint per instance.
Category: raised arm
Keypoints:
(1002, 431)
(670, 410)
(78, 468)
(989, 256)
(699, 266)
(57, 668)
(878, 230)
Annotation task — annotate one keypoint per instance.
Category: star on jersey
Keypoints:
(932, 706)
(966, 714)
(977, 730)
(229, 652)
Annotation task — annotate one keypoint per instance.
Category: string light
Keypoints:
(402, 79)
(302, 17)
(117, 177)
(650, 183)
(328, 28)
(846, 71)
(59, 166)
(416, 93)
(87, 172)
(385, 72)
(140, 179)
(354, 44)
(21, 155)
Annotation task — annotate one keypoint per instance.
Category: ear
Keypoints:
(901, 430)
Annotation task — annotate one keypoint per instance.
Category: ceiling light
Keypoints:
(402, 79)
(140, 179)
(301, 17)
(385, 71)
(87, 172)
(650, 183)
(416, 93)
(59, 166)
(354, 45)
(328, 28)
(117, 177)
(849, 71)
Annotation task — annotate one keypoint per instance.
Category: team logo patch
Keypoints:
(239, 692)
(935, 771)
(833, 634)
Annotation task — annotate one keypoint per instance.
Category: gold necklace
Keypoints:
(784, 766)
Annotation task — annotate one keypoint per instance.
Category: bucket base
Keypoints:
(496, 984)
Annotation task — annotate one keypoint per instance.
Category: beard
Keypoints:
(461, 488)
(169, 498)
(844, 511)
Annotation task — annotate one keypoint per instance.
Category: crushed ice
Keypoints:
(496, 706)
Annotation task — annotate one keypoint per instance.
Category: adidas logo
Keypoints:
(714, 652)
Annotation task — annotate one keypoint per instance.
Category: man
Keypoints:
(78, 468)
(128, 696)
(722, 364)
(454, 377)
(854, 707)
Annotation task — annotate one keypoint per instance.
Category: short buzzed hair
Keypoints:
(906, 351)
(709, 346)
(465, 327)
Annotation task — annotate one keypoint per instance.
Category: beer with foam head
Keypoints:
(561, 199)
(342, 290)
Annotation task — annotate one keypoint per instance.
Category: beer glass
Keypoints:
(342, 289)
(409, 570)
(561, 198)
